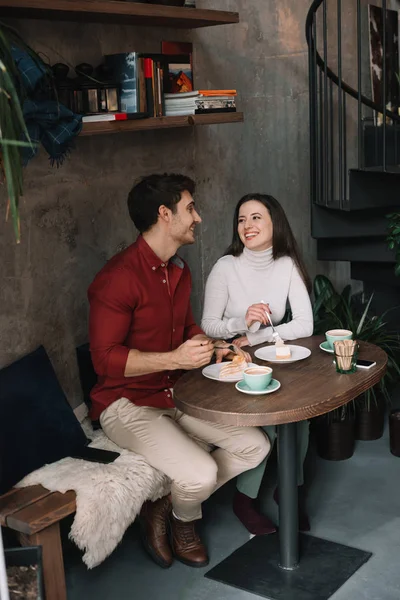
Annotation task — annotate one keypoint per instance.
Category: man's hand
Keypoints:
(256, 314)
(222, 353)
(193, 354)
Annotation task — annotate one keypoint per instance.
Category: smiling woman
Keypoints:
(255, 227)
(263, 261)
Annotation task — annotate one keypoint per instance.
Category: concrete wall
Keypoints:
(265, 58)
(74, 218)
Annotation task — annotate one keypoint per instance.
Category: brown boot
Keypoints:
(186, 543)
(153, 521)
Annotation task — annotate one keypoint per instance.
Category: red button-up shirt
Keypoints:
(137, 301)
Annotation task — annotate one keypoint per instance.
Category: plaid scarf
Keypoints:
(46, 120)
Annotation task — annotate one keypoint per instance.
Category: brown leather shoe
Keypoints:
(186, 543)
(153, 521)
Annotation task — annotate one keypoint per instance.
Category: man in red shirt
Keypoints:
(142, 335)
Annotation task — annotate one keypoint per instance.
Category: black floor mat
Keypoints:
(324, 567)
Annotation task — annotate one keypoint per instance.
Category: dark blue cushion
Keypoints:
(37, 425)
(87, 374)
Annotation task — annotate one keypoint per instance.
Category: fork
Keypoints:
(275, 334)
(232, 348)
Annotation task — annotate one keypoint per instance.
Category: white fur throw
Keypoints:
(108, 496)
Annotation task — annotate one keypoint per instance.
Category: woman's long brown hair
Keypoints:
(283, 240)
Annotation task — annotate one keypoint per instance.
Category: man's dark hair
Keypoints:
(153, 191)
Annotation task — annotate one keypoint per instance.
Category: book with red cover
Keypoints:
(176, 48)
(180, 71)
(148, 78)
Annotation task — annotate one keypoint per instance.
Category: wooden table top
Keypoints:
(309, 388)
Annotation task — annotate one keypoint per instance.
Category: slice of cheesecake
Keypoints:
(282, 351)
(234, 368)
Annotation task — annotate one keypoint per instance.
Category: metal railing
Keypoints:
(348, 129)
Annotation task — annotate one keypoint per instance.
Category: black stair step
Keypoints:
(377, 275)
(355, 250)
(373, 189)
(373, 145)
(326, 223)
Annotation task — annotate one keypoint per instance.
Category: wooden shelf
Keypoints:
(107, 127)
(109, 11)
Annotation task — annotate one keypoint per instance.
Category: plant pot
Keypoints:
(335, 439)
(370, 423)
(26, 557)
(394, 432)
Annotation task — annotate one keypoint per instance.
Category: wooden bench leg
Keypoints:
(53, 563)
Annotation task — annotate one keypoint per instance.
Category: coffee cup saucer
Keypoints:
(273, 385)
(326, 347)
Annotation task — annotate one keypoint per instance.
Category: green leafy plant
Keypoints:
(333, 310)
(13, 131)
(393, 238)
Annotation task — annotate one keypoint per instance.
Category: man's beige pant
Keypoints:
(196, 455)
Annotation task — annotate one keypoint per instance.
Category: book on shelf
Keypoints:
(213, 93)
(179, 66)
(216, 101)
(182, 103)
(176, 47)
(98, 118)
(206, 111)
(158, 84)
(124, 69)
(204, 104)
(197, 103)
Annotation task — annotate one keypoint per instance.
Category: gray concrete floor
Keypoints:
(355, 502)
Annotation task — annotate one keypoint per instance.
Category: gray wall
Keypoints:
(74, 218)
(264, 57)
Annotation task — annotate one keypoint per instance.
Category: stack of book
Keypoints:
(216, 101)
(183, 103)
(156, 85)
(144, 80)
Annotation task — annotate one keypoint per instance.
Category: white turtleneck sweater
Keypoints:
(236, 282)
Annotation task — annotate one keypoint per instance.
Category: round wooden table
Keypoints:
(309, 388)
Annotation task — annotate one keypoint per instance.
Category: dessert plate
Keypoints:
(297, 353)
(212, 372)
(273, 385)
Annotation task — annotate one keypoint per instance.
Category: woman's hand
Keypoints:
(256, 314)
(241, 341)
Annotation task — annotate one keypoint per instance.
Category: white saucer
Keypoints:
(297, 353)
(274, 385)
(212, 372)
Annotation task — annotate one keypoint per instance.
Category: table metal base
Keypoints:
(323, 568)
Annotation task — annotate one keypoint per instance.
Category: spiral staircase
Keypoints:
(354, 140)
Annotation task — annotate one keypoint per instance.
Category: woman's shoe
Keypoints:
(304, 521)
(247, 513)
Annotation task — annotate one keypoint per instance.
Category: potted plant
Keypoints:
(12, 125)
(335, 433)
(393, 238)
(352, 311)
(29, 109)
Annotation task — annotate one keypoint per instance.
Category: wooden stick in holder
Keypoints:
(344, 352)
